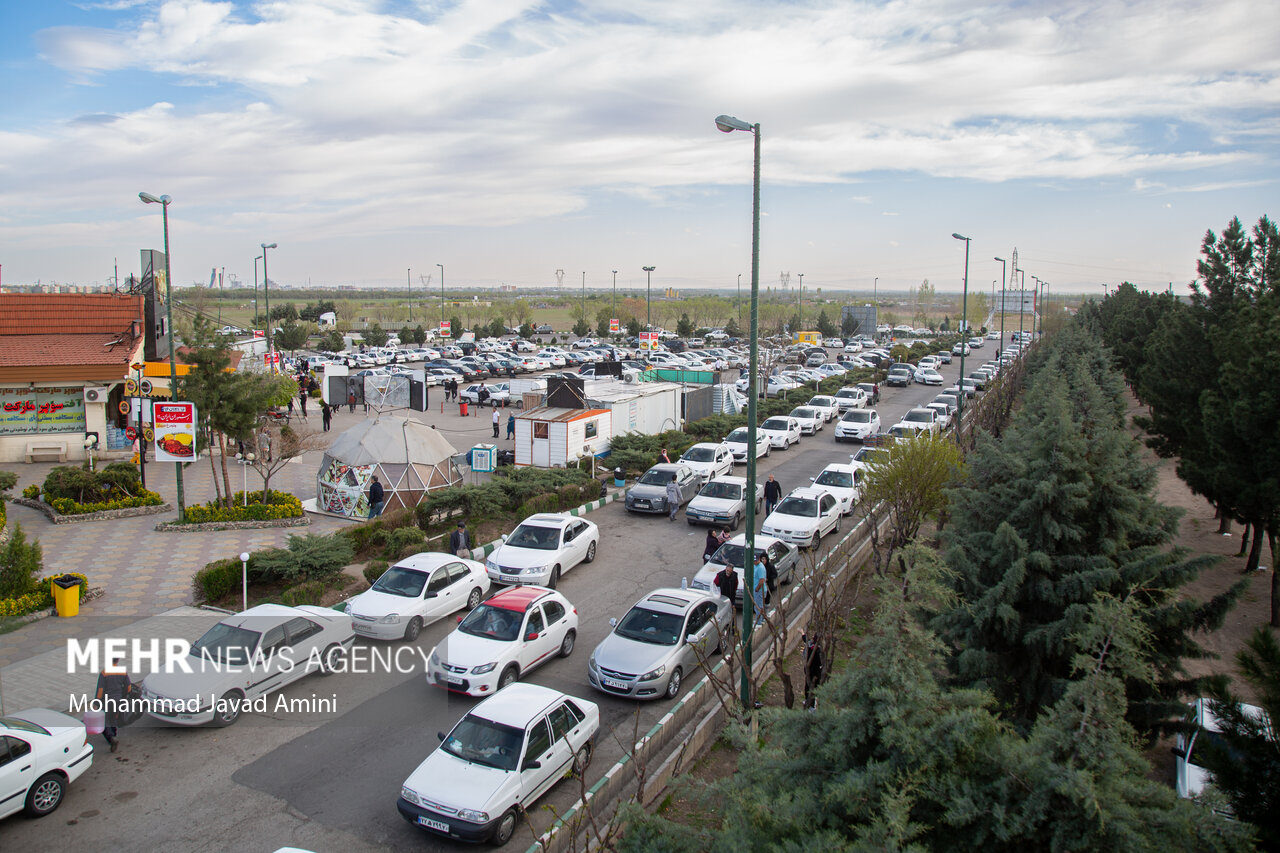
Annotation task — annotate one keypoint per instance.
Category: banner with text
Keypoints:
(175, 431)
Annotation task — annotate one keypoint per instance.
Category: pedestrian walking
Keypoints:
(726, 580)
(114, 687)
(459, 540)
(673, 497)
(711, 545)
(770, 575)
(772, 494)
(758, 590)
(264, 445)
(482, 397)
(302, 400)
(351, 402)
(511, 426)
(290, 407)
(497, 421)
(377, 498)
(326, 415)
(814, 669)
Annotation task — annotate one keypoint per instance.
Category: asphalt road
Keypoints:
(331, 783)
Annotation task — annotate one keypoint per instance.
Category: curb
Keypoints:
(478, 554)
(200, 527)
(105, 515)
(36, 616)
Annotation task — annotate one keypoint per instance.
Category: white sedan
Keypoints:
(828, 406)
(853, 346)
(542, 548)
(42, 753)
(804, 517)
(843, 480)
(721, 502)
(709, 459)
(505, 637)
(927, 376)
(247, 655)
(782, 431)
(497, 761)
(417, 591)
(737, 441)
(810, 419)
(857, 425)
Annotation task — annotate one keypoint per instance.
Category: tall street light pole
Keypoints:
(648, 310)
(1035, 296)
(442, 299)
(800, 316)
(739, 300)
(266, 296)
(728, 124)
(255, 290)
(615, 293)
(1022, 300)
(584, 296)
(164, 201)
(409, 283)
(1002, 269)
(964, 338)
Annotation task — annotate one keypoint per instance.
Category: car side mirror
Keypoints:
(532, 635)
(504, 537)
(613, 622)
(532, 765)
(440, 735)
(432, 594)
(813, 479)
(691, 639)
(1179, 752)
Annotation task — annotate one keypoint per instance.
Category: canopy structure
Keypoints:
(408, 457)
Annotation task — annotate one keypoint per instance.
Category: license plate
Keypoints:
(616, 685)
(510, 578)
(434, 824)
(642, 503)
(361, 629)
(453, 679)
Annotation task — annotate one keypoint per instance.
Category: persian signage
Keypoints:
(24, 411)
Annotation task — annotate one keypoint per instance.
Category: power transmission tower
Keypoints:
(559, 279)
(785, 279)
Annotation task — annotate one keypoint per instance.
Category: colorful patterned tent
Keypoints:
(408, 457)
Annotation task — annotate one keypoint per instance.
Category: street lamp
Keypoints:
(648, 309)
(800, 313)
(964, 337)
(1035, 302)
(739, 301)
(245, 461)
(164, 201)
(266, 298)
(1002, 269)
(1022, 300)
(584, 297)
(875, 302)
(409, 283)
(244, 578)
(442, 299)
(255, 289)
(615, 293)
(728, 124)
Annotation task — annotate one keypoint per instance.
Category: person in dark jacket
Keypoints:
(377, 497)
(726, 580)
(711, 545)
(460, 539)
(113, 688)
(772, 494)
(814, 669)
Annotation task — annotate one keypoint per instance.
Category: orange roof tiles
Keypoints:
(45, 350)
(68, 314)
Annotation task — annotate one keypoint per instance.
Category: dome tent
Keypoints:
(408, 457)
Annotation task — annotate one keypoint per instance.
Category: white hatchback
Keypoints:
(828, 406)
(415, 592)
(737, 441)
(804, 517)
(708, 459)
(843, 480)
(782, 431)
(810, 419)
(542, 548)
(857, 425)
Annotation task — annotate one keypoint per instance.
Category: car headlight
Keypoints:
(654, 673)
(435, 657)
(491, 566)
(347, 608)
(483, 668)
(390, 619)
(410, 795)
(591, 662)
(473, 816)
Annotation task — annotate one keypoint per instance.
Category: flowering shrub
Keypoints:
(66, 506)
(277, 505)
(38, 599)
(31, 492)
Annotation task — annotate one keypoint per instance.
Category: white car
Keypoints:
(499, 392)
(1190, 775)
(944, 414)
(584, 343)
(857, 425)
(920, 420)
(542, 548)
(785, 557)
(844, 480)
(851, 397)
(853, 347)
(721, 502)
(927, 376)
(810, 420)
(42, 753)
(664, 637)
(833, 343)
(247, 655)
(708, 459)
(555, 359)
(503, 639)
(497, 761)
(415, 592)
(782, 431)
(737, 441)
(804, 517)
(829, 407)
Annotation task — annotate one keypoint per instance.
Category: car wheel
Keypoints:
(836, 527)
(566, 647)
(413, 629)
(473, 600)
(509, 675)
(737, 519)
(673, 684)
(506, 828)
(692, 521)
(768, 448)
(230, 709)
(331, 660)
(582, 760)
(45, 795)
(591, 553)
(554, 579)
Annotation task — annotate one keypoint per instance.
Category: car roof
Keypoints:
(519, 704)
(669, 467)
(711, 444)
(762, 541)
(425, 561)
(253, 614)
(550, 519)
(670, 600)
(843, 467)
(808, 492)
(518, 598)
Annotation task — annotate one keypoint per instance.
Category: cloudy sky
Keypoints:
(506, 139)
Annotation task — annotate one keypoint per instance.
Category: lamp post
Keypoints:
(137, 368)
(875, 302)
(245, 462)
(244, 578)
(648, 294)
(1035, 297)
(1022, 300)
(739, 301)
(614, 309)
(1002, 269)
(442, 298)
(964, 337)
(255, 290)
(266, 298)
(584, 297)
(164, 201)
(800, 309)
(409, 283)
(728, 124)
(89, 442)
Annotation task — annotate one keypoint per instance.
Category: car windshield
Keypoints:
(650, 626)
(920, 416)
(495, 623)
(738, 435)
(872, 454)
(226, 644)
(774, 423)
(398, 580)
(803, 507)
(858, 416)
(534, 536)
(731, 554)
(482, 741)
(699, 454)
(13, 724)
(807, 414)
(825, 402)
(720, 489)
(656, 477)
(839, 479)
(846, 394)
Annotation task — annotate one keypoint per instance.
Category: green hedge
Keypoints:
(307, 592)
(307, 558)
(40, 598)
(80, 486)
(217, 579)
(67, 506)
(507, 492)
(277, 505)
(374, 570)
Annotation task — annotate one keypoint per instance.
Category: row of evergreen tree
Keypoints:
(1011, 676)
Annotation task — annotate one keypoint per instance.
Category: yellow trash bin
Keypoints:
(66, 595)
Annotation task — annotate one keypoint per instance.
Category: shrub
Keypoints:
(307, 592)
(277, 505)
(320, 556)
(275, 564)
(73, 484)
(217, 579)
(374, 570)
(405, 541)
(540, 503)
(20, 564)
(67, 506)
(40, 598)
(8, 480)
(31, 492)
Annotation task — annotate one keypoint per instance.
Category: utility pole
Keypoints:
(800, 316)
(408, 280)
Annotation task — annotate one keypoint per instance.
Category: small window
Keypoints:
(457, 572)
(591, 429)
(439, 580)
(12, 748)
(574, 711)
(539, 430)
(539, 741)
(554, 612)
(300, 629)
(562, 722)
(273, 639)
(536, 624)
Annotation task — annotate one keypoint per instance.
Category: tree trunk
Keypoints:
(226, 479)
(1244, 541)
(1275, 598)
(1224, 521)
(1255, 552)
(217, 499)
